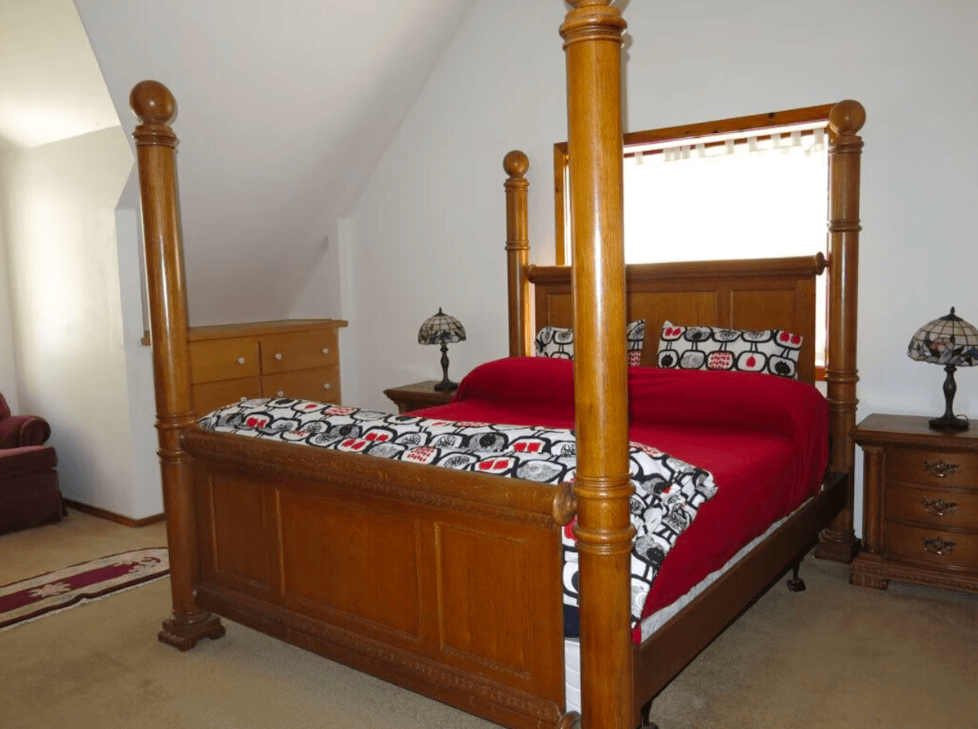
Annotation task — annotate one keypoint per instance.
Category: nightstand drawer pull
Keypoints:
(940, 468)
(939, 507)
(938, 546)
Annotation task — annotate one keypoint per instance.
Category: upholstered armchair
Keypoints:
(29, 492)
(21, 430)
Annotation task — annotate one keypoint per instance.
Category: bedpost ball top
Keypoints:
(847, 117)
(516, 163)
(152, 103)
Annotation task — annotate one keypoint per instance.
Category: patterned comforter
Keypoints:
(668, 492)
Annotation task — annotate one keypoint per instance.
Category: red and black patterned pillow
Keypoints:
(771, 351)
(558, 342)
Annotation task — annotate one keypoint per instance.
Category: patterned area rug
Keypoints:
(55, 591)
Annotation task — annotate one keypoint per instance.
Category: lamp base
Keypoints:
(445, 384)
(949, 422)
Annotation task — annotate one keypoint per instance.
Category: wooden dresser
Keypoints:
(292, 358)
(920, 504)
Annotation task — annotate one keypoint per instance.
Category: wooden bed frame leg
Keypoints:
(156, 142)
(647, 722)
(795, 583)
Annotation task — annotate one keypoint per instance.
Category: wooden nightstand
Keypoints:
(920, 505)
(419, 395)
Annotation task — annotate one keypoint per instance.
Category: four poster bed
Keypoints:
(452, 582)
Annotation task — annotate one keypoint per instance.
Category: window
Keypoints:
(753, 187)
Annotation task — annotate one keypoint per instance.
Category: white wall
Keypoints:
(64, 268)
(8, 373)
(429, 228)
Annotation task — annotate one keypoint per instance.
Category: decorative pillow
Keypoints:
(771, 351)
(558, 342)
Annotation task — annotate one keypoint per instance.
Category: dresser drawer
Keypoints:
(321, 384)
(932, 506)
(932, 468)
(932, 546)
(298, 351)
(223, 359)
(212, 395)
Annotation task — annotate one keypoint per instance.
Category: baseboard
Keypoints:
(117, 518)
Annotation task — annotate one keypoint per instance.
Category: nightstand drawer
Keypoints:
(932, 468)
(932, 506)
(933, 546)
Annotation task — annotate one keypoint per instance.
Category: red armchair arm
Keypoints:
(23, 430)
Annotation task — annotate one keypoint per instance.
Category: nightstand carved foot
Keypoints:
(863, 579)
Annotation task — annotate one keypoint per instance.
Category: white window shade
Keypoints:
(753, 198)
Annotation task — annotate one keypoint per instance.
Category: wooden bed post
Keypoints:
(154, 106)
(839, 542)
(518, 253)
(592, 34)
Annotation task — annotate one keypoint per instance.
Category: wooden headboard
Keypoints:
(777, 293)
(746, 294)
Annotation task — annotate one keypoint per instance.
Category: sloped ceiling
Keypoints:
(283, 110)
(50, 85)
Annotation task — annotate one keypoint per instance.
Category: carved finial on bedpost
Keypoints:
(516, 164)
(154, 106)
(152, 103)
(846, 118)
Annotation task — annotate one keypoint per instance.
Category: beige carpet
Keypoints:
(834, 656)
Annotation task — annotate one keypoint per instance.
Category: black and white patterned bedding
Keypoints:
(668, 492)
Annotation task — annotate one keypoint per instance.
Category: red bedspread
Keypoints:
(764, 439)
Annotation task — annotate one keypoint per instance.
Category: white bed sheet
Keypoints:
(572, 646)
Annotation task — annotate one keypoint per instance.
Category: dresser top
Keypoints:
(251, 329)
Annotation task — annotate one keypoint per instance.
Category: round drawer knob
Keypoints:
(241, 360)
(327, 386)
(280, 393)
(325, 350)
(278, 356)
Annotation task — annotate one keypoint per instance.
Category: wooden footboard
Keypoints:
(444, 582)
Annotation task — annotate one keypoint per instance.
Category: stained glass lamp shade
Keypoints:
(952, 342)
(442, 329)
